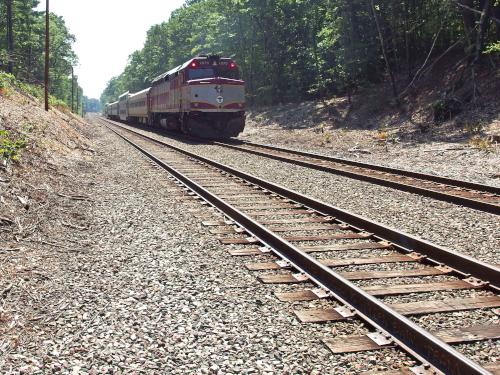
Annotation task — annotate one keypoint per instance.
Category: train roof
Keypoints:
(185, 65)
(124, 94)
(140, 92)
(172, 71)
(114, 103)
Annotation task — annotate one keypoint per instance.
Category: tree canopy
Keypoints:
(296, 49)
(27, 54)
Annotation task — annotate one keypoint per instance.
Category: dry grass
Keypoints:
(327, 138)
(471, 125)
(382, 135)
(480, 143)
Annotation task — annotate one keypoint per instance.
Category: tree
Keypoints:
(25, 26)
(291, 50)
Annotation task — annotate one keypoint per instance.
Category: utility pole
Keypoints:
(10, 37)
(72, 89)
(47, 40)
(77, 99)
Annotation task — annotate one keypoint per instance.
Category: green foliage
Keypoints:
(91, 105)
(34, 90)
(290, 50)
(10, 148)
(28, 54)
(492, 48)
(6, 82)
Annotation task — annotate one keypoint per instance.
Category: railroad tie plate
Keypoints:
(380, 339)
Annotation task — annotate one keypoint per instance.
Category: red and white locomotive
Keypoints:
(202, 97)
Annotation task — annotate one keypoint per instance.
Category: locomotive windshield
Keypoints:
(201, 73)
(220, 71)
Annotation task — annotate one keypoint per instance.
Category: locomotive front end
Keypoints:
(215, 98)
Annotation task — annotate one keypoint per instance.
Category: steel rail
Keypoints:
(460, 262)
(381, 168)
(450, 198)
(475, 204)
(407, 334)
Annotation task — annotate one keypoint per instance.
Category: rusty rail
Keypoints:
(451, 184)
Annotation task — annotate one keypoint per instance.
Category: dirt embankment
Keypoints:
(37, 148)
(40, 154)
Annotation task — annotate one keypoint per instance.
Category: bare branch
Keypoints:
(456, 2)
(417, 74)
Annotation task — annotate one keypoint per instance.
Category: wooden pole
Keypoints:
(47, 41)
(10, 38)
(72, 90)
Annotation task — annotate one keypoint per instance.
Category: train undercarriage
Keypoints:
(203, 124)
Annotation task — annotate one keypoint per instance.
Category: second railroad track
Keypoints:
(473, 195)
(468, 194)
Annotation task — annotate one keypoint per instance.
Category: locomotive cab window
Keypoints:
(224, 72)
(201, 73)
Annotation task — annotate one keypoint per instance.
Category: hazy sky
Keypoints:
(107, 32)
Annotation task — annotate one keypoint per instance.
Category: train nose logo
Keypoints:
(220, 99)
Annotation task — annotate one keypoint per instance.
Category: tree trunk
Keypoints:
(483, 27)
(496, 12)
(384, 53)
(10, 37)
(29, 57)
(407, 41)
(478, 48)
(469, 21)
(72, 90)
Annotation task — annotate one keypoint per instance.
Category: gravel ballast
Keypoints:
(444, 152)
(134, 283)
(461, 229)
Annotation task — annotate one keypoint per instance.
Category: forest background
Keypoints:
(287, 50)
(291, 50)
(22, 47)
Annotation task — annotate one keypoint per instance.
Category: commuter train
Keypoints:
(203, 97)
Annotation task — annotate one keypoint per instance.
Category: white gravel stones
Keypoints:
(454, 158)
(465, 230)
(147, 289)
(427, 218)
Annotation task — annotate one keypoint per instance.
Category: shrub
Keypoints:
(493, 48)
(6, 82)
(33, 90)
(445, 109)
(10, 149)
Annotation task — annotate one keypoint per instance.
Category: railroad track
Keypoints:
(473, 195)
(468, 194)
(306, 241)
